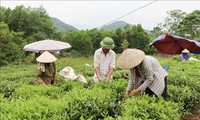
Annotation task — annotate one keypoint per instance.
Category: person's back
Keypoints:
(46, 69)
(156, 66)
(184, 55)
(47, 74)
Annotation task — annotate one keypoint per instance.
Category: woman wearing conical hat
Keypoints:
(146, 73)
(184, 55)
(46, 69)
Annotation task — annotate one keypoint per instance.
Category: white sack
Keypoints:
(68, 74)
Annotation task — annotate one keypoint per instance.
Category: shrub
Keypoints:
(145, 108)
(29, 92)
(185, 95)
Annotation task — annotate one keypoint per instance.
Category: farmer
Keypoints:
(104, 61)
(184, 55)
(46, 69)
(146, 73)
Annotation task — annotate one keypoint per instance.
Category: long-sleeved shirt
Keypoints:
(104, 63)
(152, 76)
(48, 76)
(184, 57)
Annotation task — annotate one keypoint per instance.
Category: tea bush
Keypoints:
(185, 95)
(150, 108)
(39, 107)
(29, 91)
(88, 104)
(22, 98)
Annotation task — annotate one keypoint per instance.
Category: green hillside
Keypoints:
(118, 24)
(61, 26)
(115, 25)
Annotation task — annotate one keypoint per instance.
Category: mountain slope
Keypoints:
(115, 25)
(61, 26)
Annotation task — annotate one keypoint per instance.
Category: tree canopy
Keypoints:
(183, 24)
(22, 26)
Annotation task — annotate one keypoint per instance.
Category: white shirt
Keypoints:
(103, 62)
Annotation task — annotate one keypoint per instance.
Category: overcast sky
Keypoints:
(92, 14)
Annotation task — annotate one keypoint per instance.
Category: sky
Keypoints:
(93, 14)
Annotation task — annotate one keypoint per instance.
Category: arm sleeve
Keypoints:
(112, 64)
(131, 81)
(54, 73)
(149, 75)
(39, 80)
(96, 60)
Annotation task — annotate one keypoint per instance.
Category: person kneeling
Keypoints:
(46, 69)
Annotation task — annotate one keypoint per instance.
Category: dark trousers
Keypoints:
(151, 93)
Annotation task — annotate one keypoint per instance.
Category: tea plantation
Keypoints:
(22, 98)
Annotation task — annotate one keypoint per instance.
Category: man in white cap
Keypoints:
(146, 73)
(46, 70)
(104, 61)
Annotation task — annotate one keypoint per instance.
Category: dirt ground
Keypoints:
(195, 115)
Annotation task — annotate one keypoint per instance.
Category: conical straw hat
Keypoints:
(185, 51)
(130, 58)
(46, 57)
